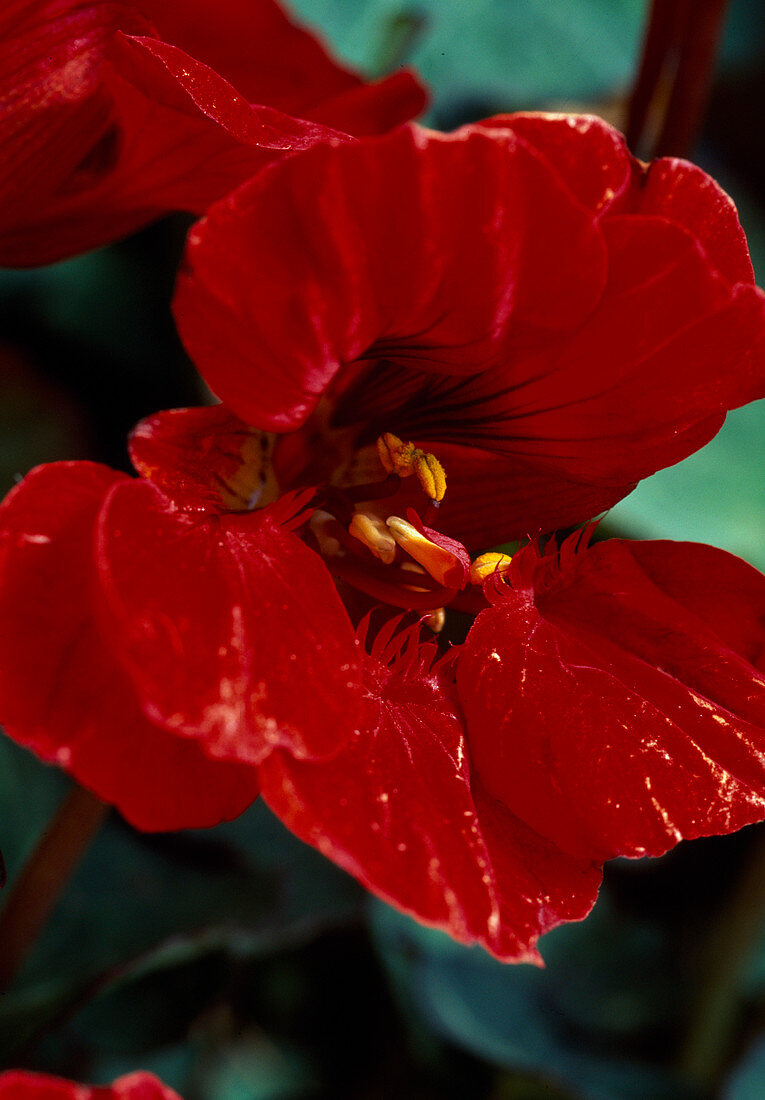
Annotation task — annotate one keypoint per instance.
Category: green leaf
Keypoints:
(604, 980)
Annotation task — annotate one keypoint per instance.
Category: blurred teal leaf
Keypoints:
(747, 1081)
(505, 55)
(604, 978)
(715, 496)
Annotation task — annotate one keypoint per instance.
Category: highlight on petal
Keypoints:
(398, 809)
(62, 691)
(616, 702)
(229, 626)
(17, 1084)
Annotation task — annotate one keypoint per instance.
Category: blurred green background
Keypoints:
(240, 965)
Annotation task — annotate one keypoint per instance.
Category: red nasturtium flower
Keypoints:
(19, 1084)
(115, 112)
(511, 303)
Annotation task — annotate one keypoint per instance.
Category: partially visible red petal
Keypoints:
(271, 59)
(17, 1084)
(230, 627)
(396, 809)
(434, 250)
(62, 693)
(681, 192)
(590, 156)
(593, 159)
(104, 131)
(194, 455)
(614, 707)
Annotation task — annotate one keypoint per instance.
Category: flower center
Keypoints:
(395, 560)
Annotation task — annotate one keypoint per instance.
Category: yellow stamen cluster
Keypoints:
(487, 564)
(405, 459)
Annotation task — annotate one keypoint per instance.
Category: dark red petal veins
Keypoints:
(395, 809)
(20, 1085)
(231, 628)
(431, 249)
(615, 709)
(62, 693)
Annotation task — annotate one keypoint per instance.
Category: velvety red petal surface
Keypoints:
(618, 705)
(103, 132)
(434, 250)
(396, 808)
(230, 627)
(62, 692)
(18, 1084)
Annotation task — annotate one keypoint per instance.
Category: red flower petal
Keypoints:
(192, 454)
(62, 693)
(472, 236)
(16, 1084)
(271, 59)
(396, 809)
(102, 133)
(230, 627)
(613, 705)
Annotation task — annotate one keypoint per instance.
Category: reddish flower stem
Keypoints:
(725, 954)
(675, 74)
(42, 879)
(690, 91)
(660, 38)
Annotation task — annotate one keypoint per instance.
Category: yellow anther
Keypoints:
(395, 455)
(435, 559)
(372, 531)
(430, 474)
(487, 564)
(404, 459)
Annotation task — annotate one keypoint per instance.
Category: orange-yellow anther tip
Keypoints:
(487, 564)
(430, 474)
(404, 459)
(438, 561)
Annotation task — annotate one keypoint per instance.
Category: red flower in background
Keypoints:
(554, 318)
(18, 1084)
(115, 113)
